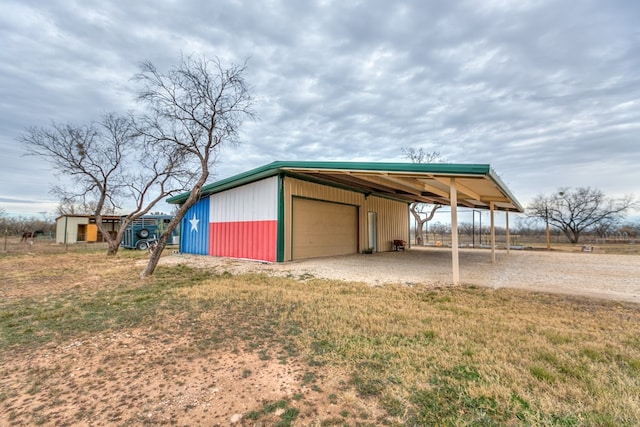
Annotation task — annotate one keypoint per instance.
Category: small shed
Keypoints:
(83, 228)
(286, 211)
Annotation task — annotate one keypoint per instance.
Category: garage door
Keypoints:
(323, 229)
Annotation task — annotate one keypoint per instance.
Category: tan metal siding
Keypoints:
(393, 221)
(393, 216)
(323, 229)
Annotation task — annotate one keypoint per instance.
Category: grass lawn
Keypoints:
(407, 355)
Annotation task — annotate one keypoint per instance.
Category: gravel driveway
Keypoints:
(596, 275)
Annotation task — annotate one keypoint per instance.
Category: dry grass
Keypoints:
(394, 355)
(476, 355)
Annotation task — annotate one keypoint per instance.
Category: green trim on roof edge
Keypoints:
(503, 187)
(280, 231)
(277, 167)
(227, 183)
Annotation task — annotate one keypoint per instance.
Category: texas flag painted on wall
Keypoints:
(243, 221)
(194, 230)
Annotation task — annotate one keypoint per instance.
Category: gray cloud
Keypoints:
(546, 92)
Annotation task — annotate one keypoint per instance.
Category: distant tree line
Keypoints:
(16, 225)
(526, 230)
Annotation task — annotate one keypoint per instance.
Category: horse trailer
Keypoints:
(144, 232)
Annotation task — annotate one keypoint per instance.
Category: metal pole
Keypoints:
(473, 228)
(454, 231)
(506, 216)
(493, 232)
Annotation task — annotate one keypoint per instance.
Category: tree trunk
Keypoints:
(418, 231)
(164, 237)
(572, 235)
(420, 222)
(112, 248)
(420, 238)
(155, 256)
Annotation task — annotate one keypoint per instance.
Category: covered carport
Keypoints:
(474, 186)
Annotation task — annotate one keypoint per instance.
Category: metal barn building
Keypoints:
(294, 210)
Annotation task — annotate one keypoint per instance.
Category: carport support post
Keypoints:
(493, 233)
(454, 232)
(506, 216)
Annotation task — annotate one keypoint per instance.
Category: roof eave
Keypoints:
(505, 190)
(278, 167)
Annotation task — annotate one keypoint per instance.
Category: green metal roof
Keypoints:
(477, 184)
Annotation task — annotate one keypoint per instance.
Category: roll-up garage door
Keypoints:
(323, 229)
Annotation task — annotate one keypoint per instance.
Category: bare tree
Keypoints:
(420, 156)
(12, 225)
(70, 205)
(630, 229)
(576, 211)
(106, 161)
(418, 210)
(421, 211)
(194, 108)
(467, 229)
(86, 155)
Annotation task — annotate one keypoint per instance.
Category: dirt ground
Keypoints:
(147, 377)
(140, 377)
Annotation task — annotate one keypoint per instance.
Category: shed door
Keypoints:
(92, 233)
(323, 229)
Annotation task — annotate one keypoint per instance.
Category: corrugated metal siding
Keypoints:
(323, 228)
(257, 201)
(393, 216)
(244, 239)
(243, 221)
(296, 187)
(393, 221)
(194, 228)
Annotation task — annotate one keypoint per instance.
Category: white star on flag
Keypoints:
(194, 223)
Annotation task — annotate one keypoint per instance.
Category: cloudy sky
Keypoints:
(547, 92)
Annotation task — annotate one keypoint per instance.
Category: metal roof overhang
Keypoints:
(477, 186)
